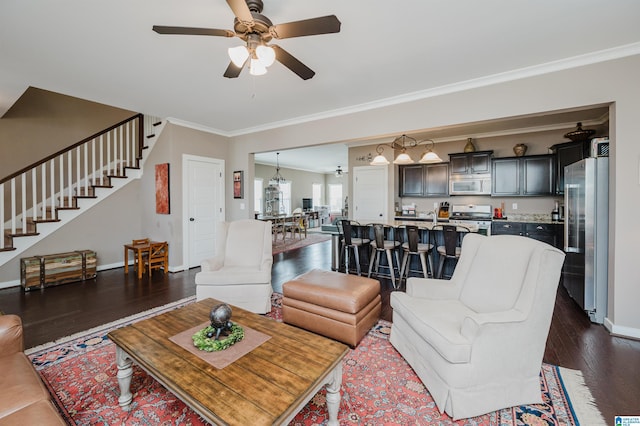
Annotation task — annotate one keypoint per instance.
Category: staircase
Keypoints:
(43, 197)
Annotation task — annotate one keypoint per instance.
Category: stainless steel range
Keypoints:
(472, 214)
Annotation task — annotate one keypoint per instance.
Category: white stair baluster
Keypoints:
(53, 186)
(23, 201)
(34, 193)
(13, 205)
(43, 185)
(69, 179)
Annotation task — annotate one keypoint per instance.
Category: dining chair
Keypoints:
(139, 242)
(381, 244)
(158, 257)
(413, 247)
(278, 228)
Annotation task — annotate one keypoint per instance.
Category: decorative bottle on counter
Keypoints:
(555, 213)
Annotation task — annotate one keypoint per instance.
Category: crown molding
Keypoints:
(518, 74)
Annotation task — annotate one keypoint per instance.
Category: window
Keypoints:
(335, 198)
(317, 194)
(285, 189)
(257, 195)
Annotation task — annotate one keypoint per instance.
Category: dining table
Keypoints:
(139, 251)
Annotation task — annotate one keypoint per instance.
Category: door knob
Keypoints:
(191, 219)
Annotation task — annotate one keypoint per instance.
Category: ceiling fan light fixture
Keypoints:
(238, 55)
(266, 55)
(257, 68)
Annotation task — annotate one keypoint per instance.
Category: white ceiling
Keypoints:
(386, 52)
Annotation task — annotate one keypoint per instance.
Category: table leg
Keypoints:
(140, 265)
(126, 260)
(333, 395)
(125, 371)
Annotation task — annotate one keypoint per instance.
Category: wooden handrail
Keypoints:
(85, 140)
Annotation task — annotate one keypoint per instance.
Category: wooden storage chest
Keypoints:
(46, 271)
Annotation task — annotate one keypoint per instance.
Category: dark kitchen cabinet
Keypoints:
(550, 233)
(424, 180)
(470, 163)
(523, 176)
(567, 153)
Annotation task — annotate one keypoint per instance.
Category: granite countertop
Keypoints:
(530, 218)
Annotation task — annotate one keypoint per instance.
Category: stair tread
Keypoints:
(7, 249)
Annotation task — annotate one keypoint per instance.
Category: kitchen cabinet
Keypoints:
(523, 176)
(550, 233)
(470, 163)
(567, 153)
(424, 180)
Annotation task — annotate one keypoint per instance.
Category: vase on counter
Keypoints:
(469, 147)
(520, 149)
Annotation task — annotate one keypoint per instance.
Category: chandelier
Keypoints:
(402, 143)
(277, 179)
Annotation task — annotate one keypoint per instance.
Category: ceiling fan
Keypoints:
(257, 30)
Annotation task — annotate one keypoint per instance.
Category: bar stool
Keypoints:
(413, 247)
(351, 242)
(379, 244)
(452, 242)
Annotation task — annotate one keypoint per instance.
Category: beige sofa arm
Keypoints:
(11, 340)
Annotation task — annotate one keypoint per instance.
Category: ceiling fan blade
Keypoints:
(242, 12)
(161, 29)
(286, 59)
(323, 25)
(233, 71)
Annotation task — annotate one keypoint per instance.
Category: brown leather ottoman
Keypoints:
(340, 306)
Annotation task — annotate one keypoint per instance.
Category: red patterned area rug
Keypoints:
(296, 242)
(378, 388)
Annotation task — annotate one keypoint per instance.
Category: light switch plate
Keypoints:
(514, 206)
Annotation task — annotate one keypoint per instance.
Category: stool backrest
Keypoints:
(450, 235)
(378, 235)
(413, 237)
(346, 231)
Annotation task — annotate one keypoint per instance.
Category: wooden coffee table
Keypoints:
(269, 385)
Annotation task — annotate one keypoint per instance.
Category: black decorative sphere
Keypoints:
(220, 315)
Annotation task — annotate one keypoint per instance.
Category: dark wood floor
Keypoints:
(611, 365)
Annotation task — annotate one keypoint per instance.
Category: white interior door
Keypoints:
(203, 189)
(370, 194)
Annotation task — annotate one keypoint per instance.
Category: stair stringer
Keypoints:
(44, 229)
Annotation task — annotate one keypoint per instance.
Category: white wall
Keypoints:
(612, 81)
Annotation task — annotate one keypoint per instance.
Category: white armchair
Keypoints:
(477, 341)
(240, 272)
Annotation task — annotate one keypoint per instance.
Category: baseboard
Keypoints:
(16, 283)
(622, 331)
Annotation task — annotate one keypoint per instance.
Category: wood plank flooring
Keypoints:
(611, 365)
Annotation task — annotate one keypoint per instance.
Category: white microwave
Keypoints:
(470, 185)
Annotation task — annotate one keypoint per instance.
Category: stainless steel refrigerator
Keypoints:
(586, 236)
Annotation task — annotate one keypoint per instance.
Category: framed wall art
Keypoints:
(238, 184)
(162, 189)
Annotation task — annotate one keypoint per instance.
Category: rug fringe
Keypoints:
(109, 325)
(586, 409)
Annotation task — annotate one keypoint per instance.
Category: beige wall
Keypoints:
(613, 81)
(41, 123)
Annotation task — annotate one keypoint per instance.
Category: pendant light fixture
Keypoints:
(402, 143)
(277, 179)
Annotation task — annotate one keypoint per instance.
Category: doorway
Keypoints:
(203, 207)
(370, 194)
